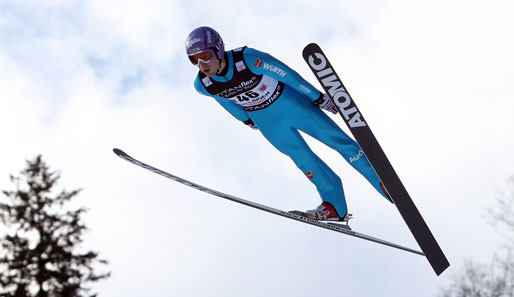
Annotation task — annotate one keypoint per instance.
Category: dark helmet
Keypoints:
(203, 38)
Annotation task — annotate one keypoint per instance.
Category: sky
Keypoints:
(432, 78)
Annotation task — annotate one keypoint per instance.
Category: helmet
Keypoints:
(203, 38)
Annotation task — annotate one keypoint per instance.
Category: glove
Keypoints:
(250, 124)
(325, 103)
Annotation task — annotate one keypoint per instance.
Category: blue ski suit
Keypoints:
(280, 102)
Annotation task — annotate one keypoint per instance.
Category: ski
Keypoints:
(341, 228)
(355, 121)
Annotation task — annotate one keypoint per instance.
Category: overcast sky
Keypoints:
(433, 79)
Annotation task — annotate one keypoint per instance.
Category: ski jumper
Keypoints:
(280, 102)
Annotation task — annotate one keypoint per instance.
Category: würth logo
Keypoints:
(310, 174)
(258, 63)
(334, 87)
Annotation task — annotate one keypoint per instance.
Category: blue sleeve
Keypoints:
(263, 63)
(235, 110)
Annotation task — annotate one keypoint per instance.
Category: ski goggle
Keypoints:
(204, 56)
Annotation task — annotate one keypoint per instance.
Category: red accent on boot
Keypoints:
(324, 212)
(383, 188)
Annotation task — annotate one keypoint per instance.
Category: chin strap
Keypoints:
(219, 66)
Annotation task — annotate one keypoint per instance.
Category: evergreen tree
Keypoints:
(39, 255)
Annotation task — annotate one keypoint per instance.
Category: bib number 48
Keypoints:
(247, 96)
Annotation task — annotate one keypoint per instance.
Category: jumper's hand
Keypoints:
(251, 124)
(326, 104)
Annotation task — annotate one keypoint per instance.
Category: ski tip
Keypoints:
(311, 47)
(118, 152)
